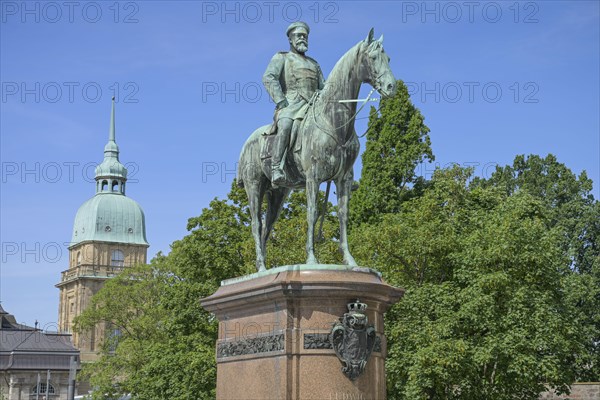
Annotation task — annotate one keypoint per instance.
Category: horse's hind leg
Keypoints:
(256, 191)
(275, 199)
(343, 187)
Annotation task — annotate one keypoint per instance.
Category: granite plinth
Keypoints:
(274, 333)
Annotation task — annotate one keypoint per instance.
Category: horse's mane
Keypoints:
(334, 81)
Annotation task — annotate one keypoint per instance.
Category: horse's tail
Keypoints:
(249, 155)
(239, 180)
(240, 166)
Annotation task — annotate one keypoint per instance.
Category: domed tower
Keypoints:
(109, 235)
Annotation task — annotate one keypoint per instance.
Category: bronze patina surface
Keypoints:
(326, 145)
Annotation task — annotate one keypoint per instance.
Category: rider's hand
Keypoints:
(282, 104)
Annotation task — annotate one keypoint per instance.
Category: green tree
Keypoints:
(567, 196)
(166, 341)
(397, 141)
(484, 314)
(572, 210)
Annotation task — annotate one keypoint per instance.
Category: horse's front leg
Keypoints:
(312, 191)
(344, 187)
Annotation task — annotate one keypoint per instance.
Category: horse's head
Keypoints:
(375, 66)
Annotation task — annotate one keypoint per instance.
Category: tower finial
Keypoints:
(111, 133)
(111, 170)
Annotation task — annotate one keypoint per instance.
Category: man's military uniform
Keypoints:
(293, 77)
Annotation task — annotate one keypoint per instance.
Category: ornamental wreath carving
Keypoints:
(262, 344)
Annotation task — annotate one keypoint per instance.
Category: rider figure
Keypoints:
(291, 79)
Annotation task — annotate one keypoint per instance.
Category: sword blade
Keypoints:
(356, 101)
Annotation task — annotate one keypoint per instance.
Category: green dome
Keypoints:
(110, 217)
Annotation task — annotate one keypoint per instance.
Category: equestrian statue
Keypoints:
(312, 137)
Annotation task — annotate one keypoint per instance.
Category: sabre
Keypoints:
(356, 101)
(363, 100)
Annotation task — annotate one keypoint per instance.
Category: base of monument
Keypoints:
(274, 333)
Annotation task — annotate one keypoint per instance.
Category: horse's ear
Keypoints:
(370, 36)
(380, 40)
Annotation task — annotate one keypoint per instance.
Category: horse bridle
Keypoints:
(375, 83)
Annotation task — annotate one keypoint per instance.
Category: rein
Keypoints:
(351, 119)
(376, 86)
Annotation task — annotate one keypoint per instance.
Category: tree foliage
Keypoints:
(166, 345)
(572, 211)
(492, 309)
(397, 141)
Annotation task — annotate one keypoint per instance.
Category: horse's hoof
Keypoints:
(312, 261)
(350, 262)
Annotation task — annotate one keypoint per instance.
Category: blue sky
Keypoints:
(493, 80)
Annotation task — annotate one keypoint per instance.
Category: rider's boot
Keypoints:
(281, 144)
(278, 176)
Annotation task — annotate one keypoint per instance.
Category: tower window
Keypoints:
(78, 258)
(115, 186)
(104, 185)
(117, 258)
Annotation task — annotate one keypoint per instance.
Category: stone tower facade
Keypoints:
(109, 234)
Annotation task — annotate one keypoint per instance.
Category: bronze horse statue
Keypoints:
(325, 149)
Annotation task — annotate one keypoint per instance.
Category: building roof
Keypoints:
(26, 348)
(8, 321)
(35, 341)
(110, 216)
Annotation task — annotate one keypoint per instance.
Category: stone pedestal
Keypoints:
(274, 333)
